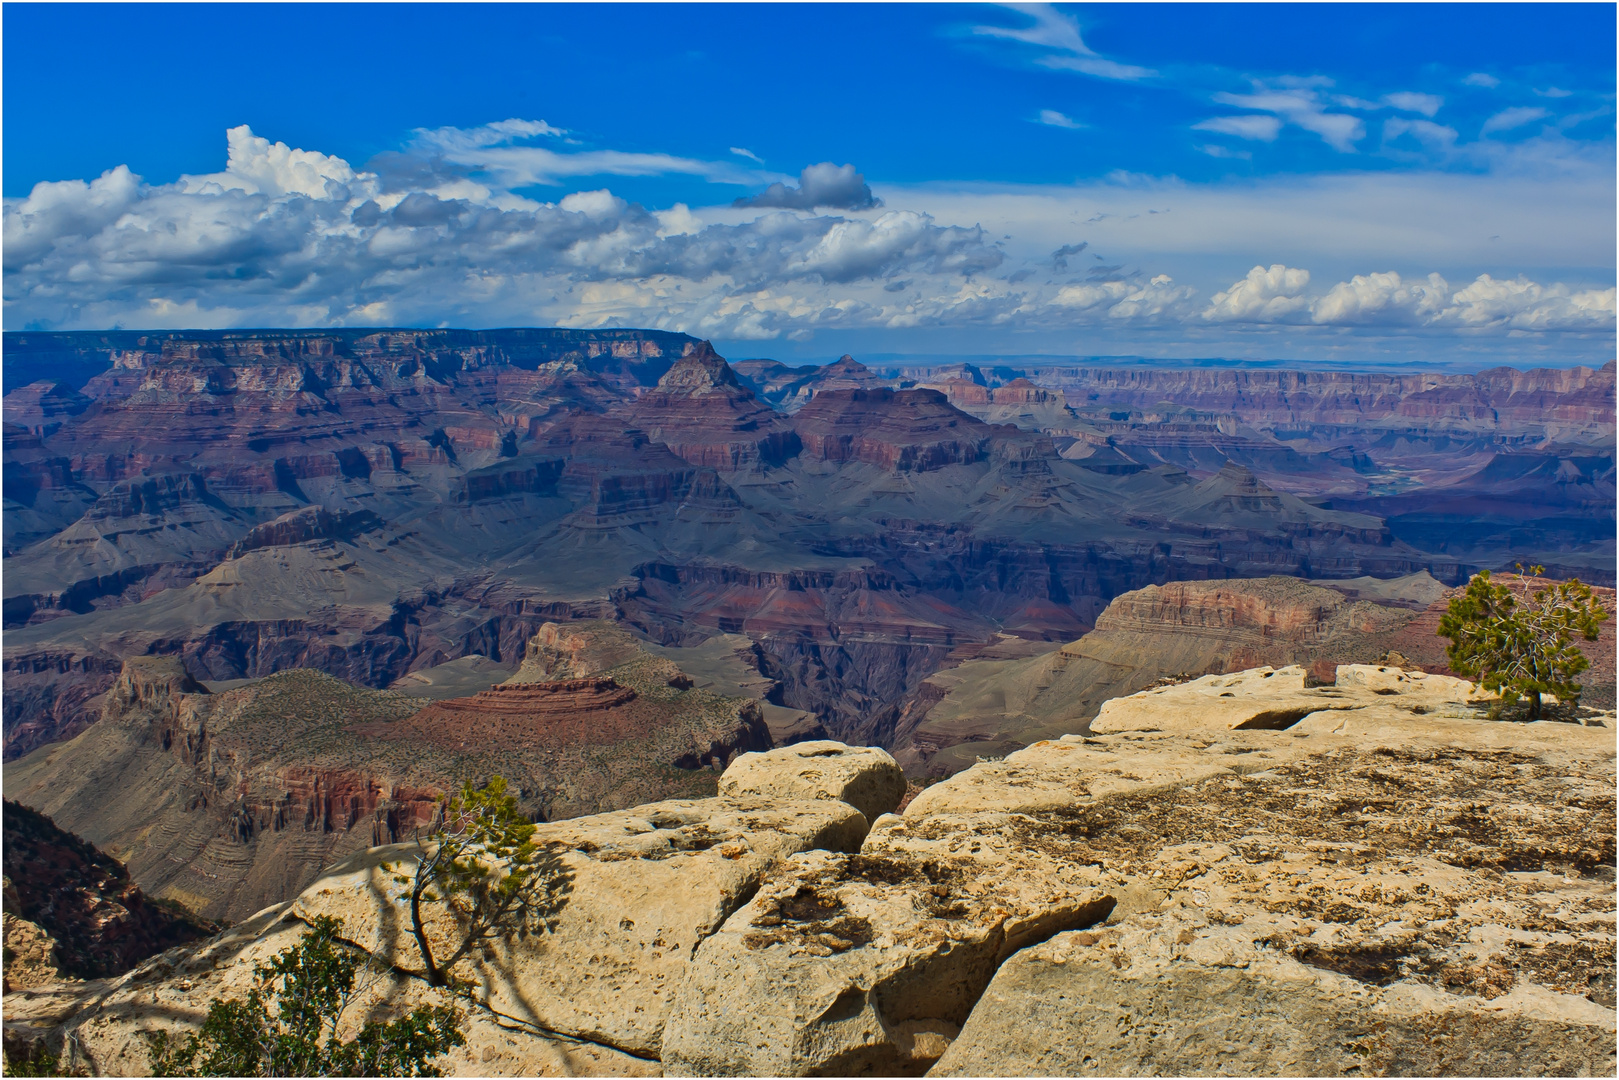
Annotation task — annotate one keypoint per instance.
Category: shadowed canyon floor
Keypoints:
(1388, 882)
(378, 505)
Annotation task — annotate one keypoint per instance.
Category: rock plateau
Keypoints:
(1391, 883)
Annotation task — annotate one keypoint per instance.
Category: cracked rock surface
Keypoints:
(1395, 885)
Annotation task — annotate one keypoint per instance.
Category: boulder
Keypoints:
(634, 893)
(1257, 698)
(30, 958)
(865, 777)
(1392, 679)
(868, 964)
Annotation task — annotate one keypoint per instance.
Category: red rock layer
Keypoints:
(1503, 400)
(542, 700)
(816, 605)
(559, 715)
(327, 801)
(42, 407)
(1273, 607)
(963, 392)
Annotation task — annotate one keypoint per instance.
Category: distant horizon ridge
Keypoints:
(888, 361)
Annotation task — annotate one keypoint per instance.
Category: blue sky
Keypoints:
(1335, 182)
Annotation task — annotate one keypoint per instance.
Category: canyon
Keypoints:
(903, 689)
(375, 505)
(226, 802)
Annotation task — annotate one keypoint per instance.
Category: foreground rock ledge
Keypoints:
(1392, 884)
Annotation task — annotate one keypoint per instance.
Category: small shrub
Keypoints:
(311, 984)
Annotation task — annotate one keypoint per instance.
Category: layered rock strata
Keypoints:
(897, 430)
(375, 503)
(227, 802)
(706, 417)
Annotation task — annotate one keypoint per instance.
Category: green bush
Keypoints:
(311, 984)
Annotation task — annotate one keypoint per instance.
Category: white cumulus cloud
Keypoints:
(290, 235)
(1158, 299)
(1265, 295)
(1383, 299)
(434, 234)
(1521, 304)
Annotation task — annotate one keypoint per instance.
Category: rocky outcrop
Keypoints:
(706, 417)
(633, 894)
(1414, 892)
(575, 651)
(100, 1029)
(89, 920)
(870, 964)
(896, 430)
(789, 389)
(52, 694)
(537, 702)
(301, 526)
(1267, 699)
(864, 777)
(995, 703)
(42, 407)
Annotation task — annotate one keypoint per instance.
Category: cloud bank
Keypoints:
(445, 231)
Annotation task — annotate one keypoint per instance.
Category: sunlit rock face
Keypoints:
(1345, 888)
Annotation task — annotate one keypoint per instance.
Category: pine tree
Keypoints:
(482, 863)
(1518, 640)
